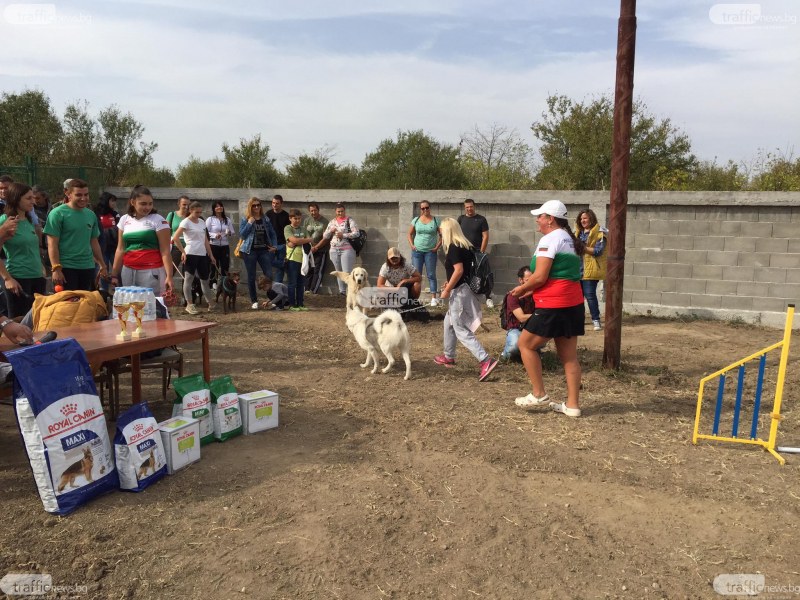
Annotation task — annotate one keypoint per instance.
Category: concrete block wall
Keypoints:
(730, 255)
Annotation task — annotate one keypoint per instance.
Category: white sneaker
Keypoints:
(489, 303)
(434, 302)
(561, 407)
(531, 400)
(192, 309)
(254, 306)
(596, 325)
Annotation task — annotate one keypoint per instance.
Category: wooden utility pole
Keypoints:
(620, 169)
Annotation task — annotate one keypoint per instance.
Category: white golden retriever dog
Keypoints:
(386, 333)
(356, 279)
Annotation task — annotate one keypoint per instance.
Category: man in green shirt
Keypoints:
(72, 240)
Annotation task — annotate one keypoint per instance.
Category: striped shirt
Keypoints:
(563, 286)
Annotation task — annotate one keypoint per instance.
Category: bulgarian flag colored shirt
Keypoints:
(141, 241)
(563, 286)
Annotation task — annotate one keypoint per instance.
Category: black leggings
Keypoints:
(222, 254)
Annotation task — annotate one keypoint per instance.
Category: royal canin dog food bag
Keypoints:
(193, 399)
(62, 424)
(225, 411)
(138, 450)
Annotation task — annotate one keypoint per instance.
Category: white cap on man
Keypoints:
(554, 208)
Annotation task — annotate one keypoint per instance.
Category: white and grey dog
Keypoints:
(387, 332)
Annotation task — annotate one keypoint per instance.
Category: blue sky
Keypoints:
(350, 73)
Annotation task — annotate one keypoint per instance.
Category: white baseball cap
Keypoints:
(554, 208)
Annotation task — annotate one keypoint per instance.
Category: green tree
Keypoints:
(413, 161)
(202, 173)
(318, 171)
(497, 159)
(79, 140)
(119, 146)
(150, 176)
(249, 164)
(705, 176)
(776, 172)
(28, 127)
(576, 145)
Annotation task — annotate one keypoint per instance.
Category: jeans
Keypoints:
(278, 264)
(590, 293)
(253, 260)
(344, 261)
(295, 282)
(429, 260)
(511, 349)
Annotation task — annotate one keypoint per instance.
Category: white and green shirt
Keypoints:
(141, 242)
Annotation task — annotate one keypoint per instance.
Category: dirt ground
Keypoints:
(439, 487)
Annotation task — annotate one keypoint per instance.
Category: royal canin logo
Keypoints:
(71, 417)
(196, 402)
(264, 404)
(141, 433)
(185, 435)
(69, 409)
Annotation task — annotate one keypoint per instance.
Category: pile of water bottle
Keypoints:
(127, 295)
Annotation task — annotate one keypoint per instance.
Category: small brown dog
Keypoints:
(227, 288)
(147, 465)
(81, 467)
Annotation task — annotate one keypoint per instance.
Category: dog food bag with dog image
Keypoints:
(194, 400)
(62, 425)
(225, 411)
(138, 450)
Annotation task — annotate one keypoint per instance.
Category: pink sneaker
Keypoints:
(487, 367)
(443, 360)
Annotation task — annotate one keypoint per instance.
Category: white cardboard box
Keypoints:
(259, 411)
(181, 438)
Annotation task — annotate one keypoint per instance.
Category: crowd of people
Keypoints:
(81, 248)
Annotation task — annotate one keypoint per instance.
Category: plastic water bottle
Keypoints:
(150, 305)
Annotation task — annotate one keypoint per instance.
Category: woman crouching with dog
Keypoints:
(143, 255)
(464, 311)
(556, 286)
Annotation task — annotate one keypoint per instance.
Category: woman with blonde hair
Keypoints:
(464, 311)
(258, 244)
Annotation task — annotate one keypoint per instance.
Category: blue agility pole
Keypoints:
(738, 406)
(757, 403)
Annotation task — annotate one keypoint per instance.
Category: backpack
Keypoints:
(504, 313)
(481, 278)
(357, 242)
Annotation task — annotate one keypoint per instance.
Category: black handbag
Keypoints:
(359, 241)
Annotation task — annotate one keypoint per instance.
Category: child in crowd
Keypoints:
(277, 293)
(295, 240)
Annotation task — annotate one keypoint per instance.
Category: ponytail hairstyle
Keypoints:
(579, 245)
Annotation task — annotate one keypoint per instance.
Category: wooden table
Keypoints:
(100, 343)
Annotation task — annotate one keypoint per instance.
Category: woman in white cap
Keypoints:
(556, 286)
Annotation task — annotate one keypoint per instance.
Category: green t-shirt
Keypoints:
(74, 230)
(426, 235)
(23, 260)
(294, 254)
(314, 229)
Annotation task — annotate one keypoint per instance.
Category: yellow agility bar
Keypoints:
(775, 415)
